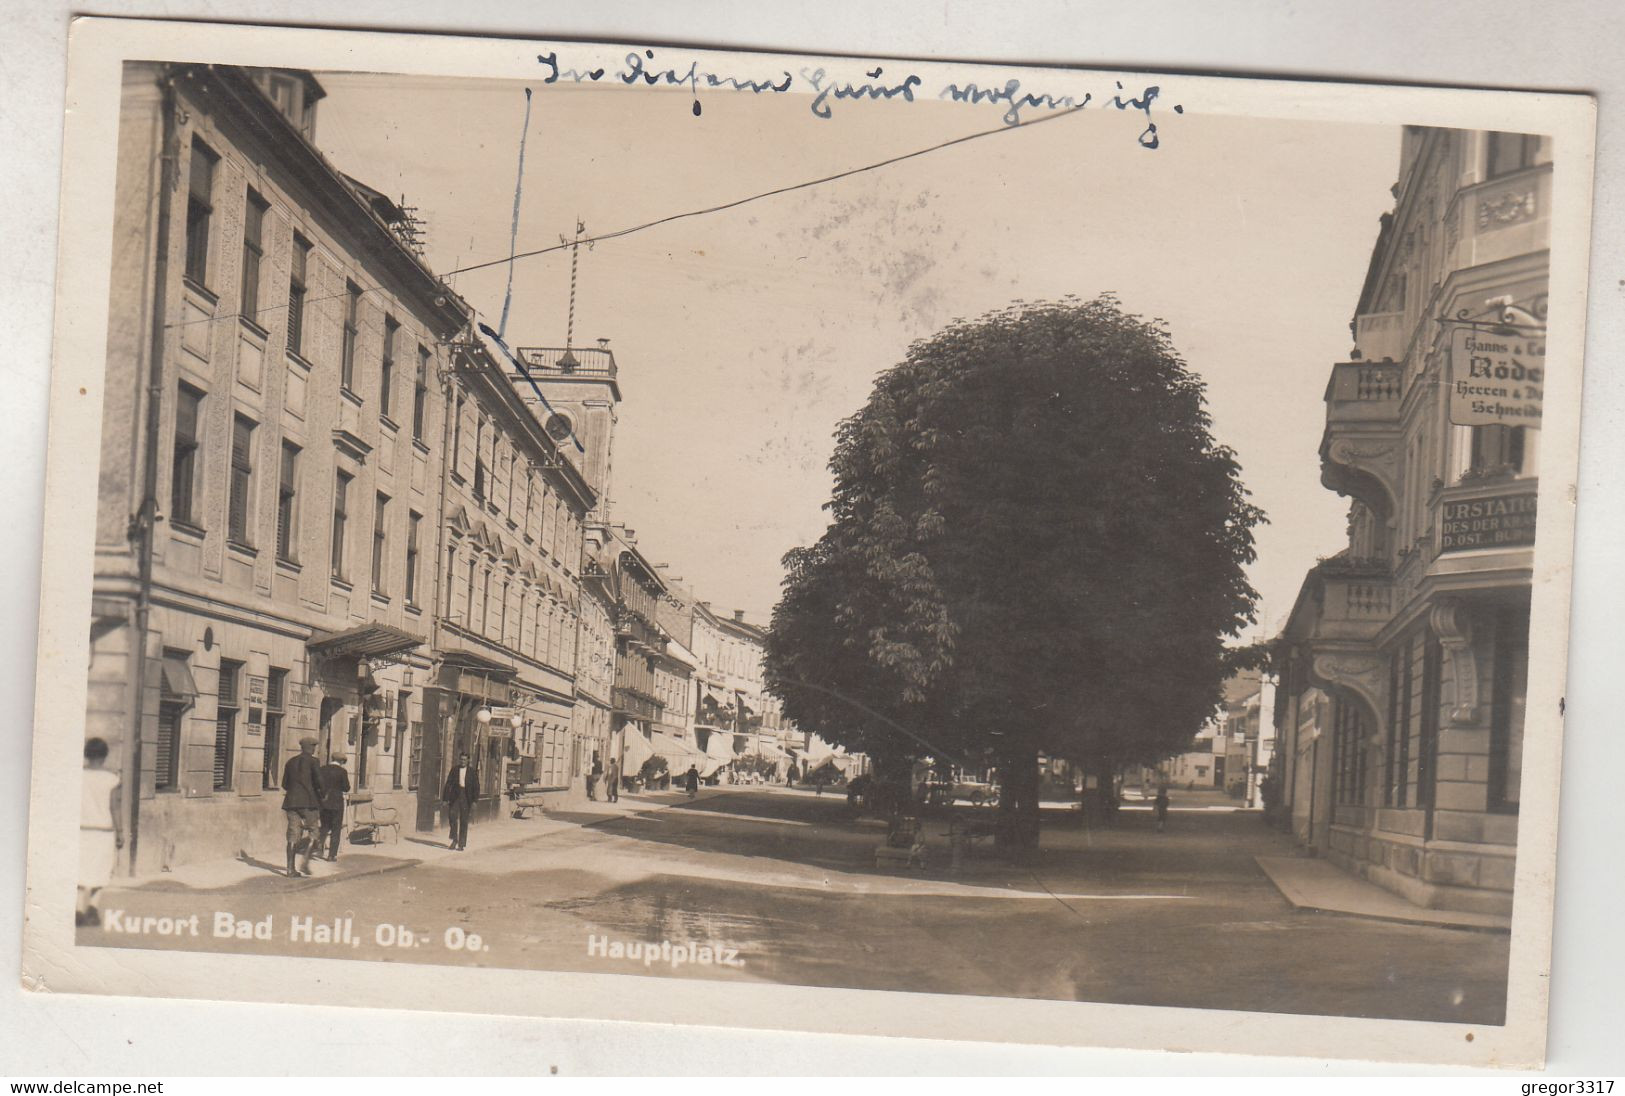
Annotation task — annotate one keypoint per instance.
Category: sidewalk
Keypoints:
(1314, 884)
(265, 869)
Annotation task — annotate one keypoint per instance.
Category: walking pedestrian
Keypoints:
(612, 781)
(1161, 807)
(302, 804)
(691, 781)
(335, 786)
(461, 790)
(101, 830)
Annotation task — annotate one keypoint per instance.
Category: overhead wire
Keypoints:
(689, 214)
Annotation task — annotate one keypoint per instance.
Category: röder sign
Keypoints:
(1496, 380)
(1497, 521)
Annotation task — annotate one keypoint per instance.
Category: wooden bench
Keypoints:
(525, 800)
(963, 836)
(368, 818)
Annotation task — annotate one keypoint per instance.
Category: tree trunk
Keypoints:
(1017, 827)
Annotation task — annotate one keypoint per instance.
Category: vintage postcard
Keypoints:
(844, 544)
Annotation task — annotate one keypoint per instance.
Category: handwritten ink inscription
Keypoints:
(826, 90)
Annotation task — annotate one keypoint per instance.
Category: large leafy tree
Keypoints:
(1036, 545)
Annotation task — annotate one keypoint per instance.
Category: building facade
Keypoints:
(265, 517)
(1404, 663)
(508, 609)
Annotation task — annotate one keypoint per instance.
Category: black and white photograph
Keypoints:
(1080, 554)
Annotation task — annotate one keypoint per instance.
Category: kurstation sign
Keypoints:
(1496, 379)
(1496, 521)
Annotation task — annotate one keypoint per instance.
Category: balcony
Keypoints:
(1499, 218)
(1355, 602)
(1360, 449)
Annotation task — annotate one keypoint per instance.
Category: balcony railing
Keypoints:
(1364, 392)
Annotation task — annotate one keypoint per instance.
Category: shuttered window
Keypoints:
(183, 469)
(242, 479)
(296, 294)
(225, 723)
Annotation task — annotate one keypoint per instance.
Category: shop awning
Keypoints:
(472, 660)
(177, 680)
(363, 641)
(680, 755)
(635, 752)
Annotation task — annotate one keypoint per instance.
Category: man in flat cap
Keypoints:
(335, 786)
(302, 803)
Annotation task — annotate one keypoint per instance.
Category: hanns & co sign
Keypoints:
(1496, 380)
(1498, 521)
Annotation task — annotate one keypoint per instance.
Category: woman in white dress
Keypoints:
(101, 832)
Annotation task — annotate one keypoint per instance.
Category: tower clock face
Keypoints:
(558, 427)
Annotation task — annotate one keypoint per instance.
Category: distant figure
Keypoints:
(594, 776)
(612, 782)
(1161, 807)
(335, 786)
(302, 803)
(101, 831)
(461, 790)
(790, 776)
(691, 781)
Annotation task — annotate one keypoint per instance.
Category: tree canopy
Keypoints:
(1036, 545)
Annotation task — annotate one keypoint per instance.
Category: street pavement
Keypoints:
(775, 885)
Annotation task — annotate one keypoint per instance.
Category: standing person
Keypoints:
(461, 790)
(335, 786)
(1161, 807)
(612, 781)
(101, 830)
(691, 781)
(594, 776)
(302, 803)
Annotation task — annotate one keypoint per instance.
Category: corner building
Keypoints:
(1405, 660)
(265, 522)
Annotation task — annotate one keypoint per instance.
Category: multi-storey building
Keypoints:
(1405, 659)
(508, 604)
(269, 469)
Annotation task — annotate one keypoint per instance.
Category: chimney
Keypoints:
(739, 615)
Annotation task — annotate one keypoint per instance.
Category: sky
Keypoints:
(743, 337)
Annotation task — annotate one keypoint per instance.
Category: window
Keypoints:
(1506, 718)
(1348, 752)
(413, 520)
(1498, 450)
(457, 438)
(183, 468)
(352, 312)
(296, 294)
(380, 541)
(416, 767)
(502, 625)
(386, 372)
(420, 395)
(176, 694)
(287, 508)
(199, 211)
(276, 692)
(225, 723)
(479, 459)
(253, 252)
(1509, 152)
(341, 517)
(451, 576)
(242, 480)
(485, 603)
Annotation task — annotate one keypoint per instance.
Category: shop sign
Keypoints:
(1495, 521)
(1496, 380)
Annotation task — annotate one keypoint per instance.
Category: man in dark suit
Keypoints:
(461, 790)
(335, 786)
(302, 802)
